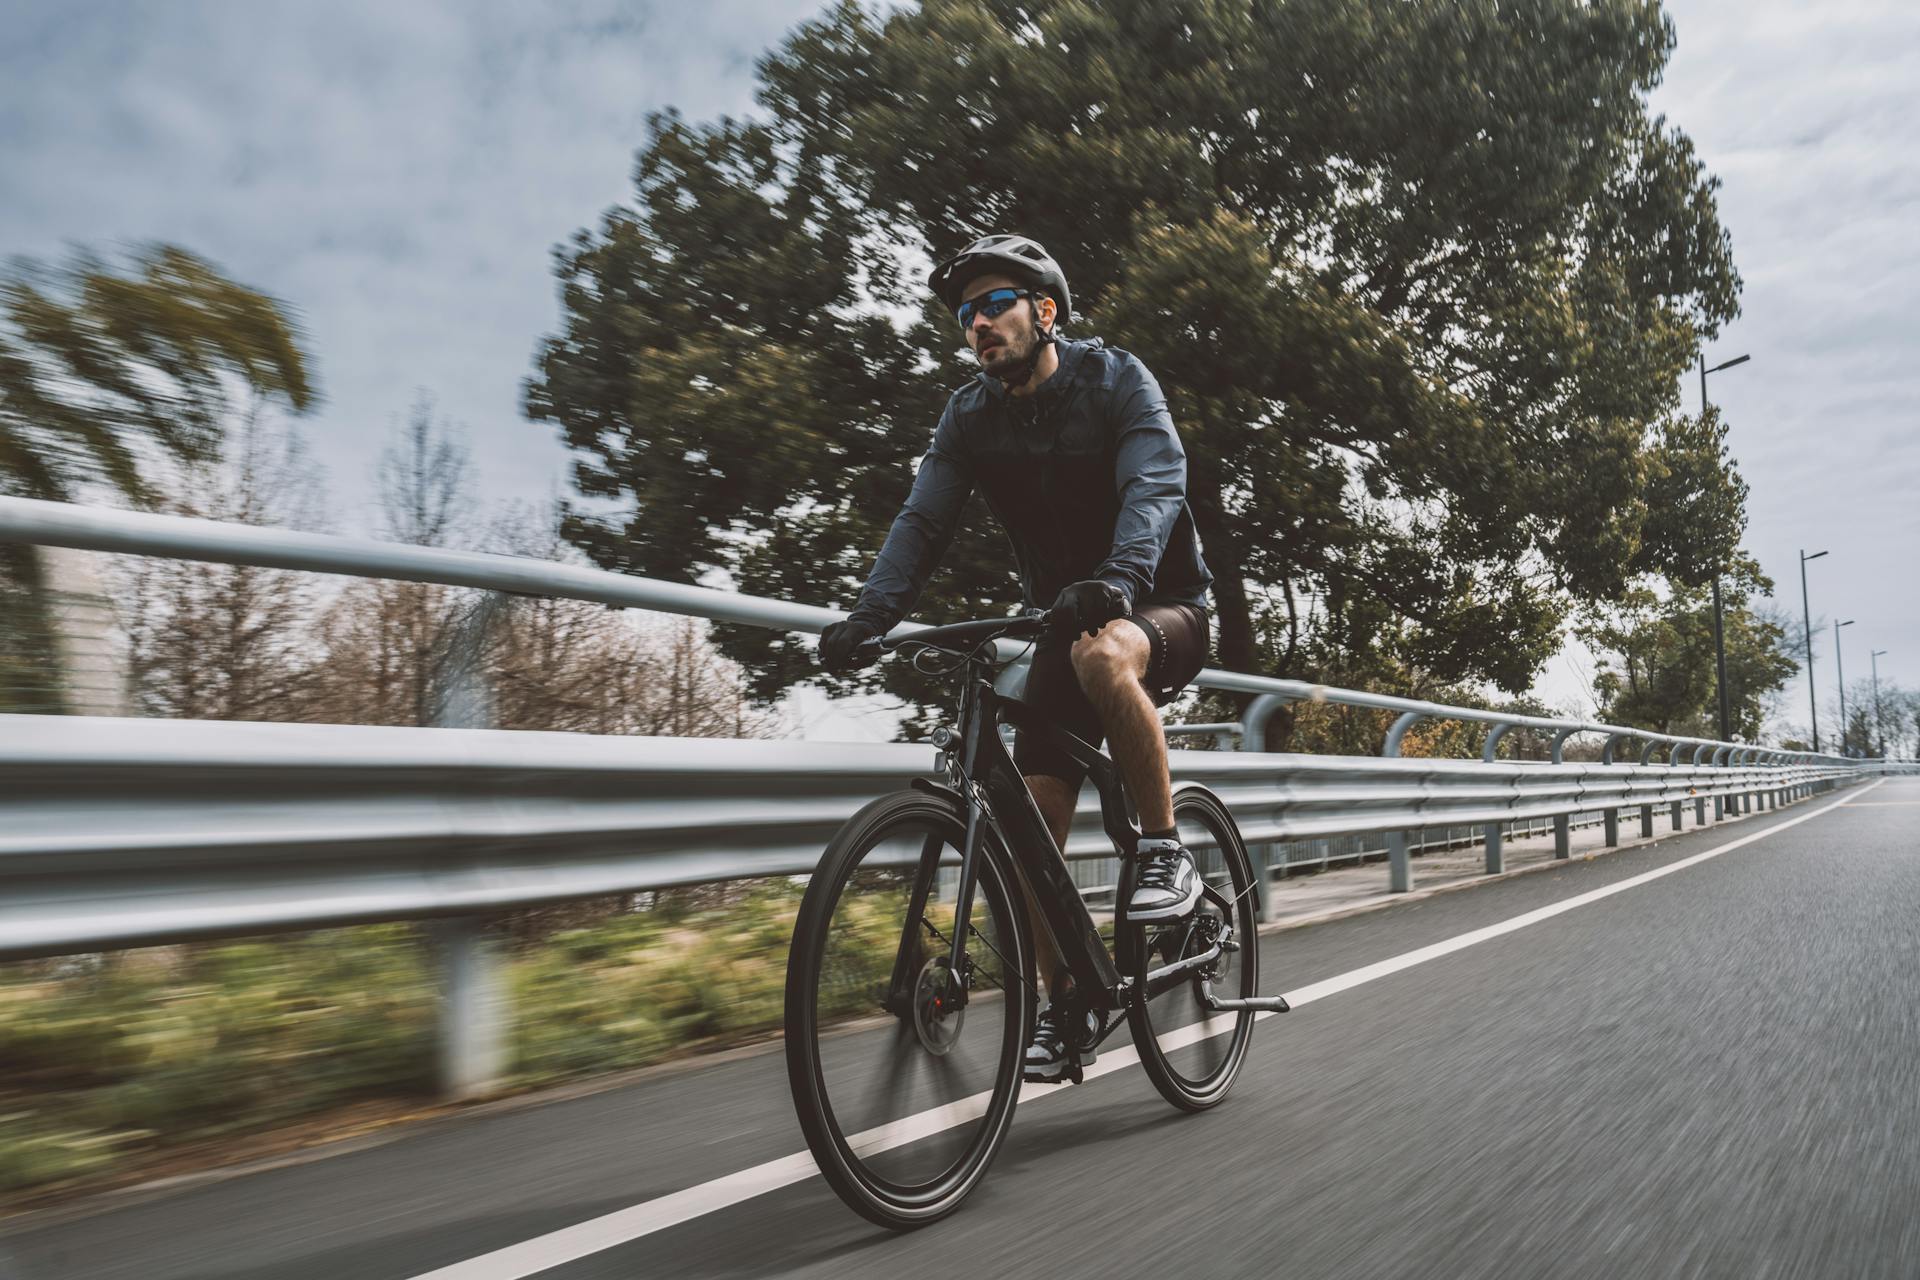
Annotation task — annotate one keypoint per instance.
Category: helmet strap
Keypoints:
(1018, 375)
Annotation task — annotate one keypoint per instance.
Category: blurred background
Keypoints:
(1434, 291)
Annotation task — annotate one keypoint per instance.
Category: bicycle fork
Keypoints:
(900, 990)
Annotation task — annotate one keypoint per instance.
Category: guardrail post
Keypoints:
(1646, 822)
(472, 1010)
(470, 963)
(1610, 817)
(1562, 833)
(1496, 856)
(1399, 864)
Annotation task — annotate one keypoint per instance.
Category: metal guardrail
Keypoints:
(117, 833)
(27, 520)
(126, 832)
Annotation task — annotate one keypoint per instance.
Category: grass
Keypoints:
(116, 1058)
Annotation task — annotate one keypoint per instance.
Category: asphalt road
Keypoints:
(1713, 1073)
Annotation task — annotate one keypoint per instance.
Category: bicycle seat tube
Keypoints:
(1039, 863)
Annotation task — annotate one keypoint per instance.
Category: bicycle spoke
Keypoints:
(923, 1099)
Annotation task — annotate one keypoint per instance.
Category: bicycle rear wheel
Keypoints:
(904, 1079)
(1191, 1053)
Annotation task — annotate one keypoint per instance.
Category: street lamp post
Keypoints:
(1879, 725)
(1841, 669)
(1806, 617)
(1719, 638)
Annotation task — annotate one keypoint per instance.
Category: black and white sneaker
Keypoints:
(1047, 1057)
(1169, 883)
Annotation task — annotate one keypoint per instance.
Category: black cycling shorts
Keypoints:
(1177, 634)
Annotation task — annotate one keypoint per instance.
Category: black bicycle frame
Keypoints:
(994, 791)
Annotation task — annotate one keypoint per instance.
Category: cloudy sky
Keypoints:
(400, 173)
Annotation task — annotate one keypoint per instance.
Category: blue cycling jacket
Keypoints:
(1087, 476)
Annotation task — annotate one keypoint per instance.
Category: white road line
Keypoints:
(596, 1235)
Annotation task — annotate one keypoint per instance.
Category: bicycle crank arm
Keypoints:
(1158, 979)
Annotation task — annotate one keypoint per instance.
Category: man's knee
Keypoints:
(1118, 653)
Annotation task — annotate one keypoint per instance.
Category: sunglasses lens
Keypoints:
(992, 304)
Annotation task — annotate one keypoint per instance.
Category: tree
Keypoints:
(98, 367)
(385, 644)
(1657, 663)
(229, 642)
(1858, 739)
(390, 651)
(107, 377)
(1419, 280)
(570, 665)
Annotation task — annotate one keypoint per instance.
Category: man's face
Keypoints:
(1008, 339)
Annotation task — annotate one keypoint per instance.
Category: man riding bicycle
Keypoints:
(1072, 446)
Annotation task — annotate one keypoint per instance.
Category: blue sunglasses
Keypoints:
(992, 304)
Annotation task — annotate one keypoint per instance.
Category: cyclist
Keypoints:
(1071, 444)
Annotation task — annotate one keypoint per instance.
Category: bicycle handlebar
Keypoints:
(964, 637)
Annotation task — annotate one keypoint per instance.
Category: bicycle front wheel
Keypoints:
(905, 1075)
(1190, 1052)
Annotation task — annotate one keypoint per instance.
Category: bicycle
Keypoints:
(912, 922)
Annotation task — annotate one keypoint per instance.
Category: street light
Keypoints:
(1806, 617)
(1879, 725)
(1719, 638)
(1841, 668)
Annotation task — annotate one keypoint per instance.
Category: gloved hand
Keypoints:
(839, 642)
(1091, 605)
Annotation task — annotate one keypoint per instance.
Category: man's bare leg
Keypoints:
(1056, 801)
(1110, 666)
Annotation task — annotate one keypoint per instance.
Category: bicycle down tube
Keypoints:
(1038, 861)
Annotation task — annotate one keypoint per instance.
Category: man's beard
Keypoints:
(1012, 353)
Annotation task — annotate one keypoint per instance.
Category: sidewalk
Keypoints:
(1351, 888)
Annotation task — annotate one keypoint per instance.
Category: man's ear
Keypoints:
(1047, 309)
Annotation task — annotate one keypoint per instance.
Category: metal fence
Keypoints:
(117, 832)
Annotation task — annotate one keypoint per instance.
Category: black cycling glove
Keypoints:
(840, 641)
(1091, 605)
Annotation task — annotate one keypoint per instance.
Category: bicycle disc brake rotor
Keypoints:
(937, 1008)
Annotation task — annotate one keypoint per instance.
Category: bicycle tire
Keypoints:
(848, 1160)
(1191, 1069)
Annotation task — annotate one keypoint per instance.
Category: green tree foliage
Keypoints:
(1420, 281)
(1657, 667)
(97, 365)
(104, 373)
